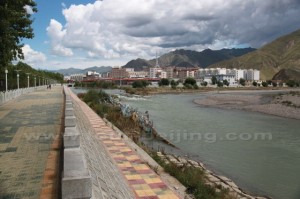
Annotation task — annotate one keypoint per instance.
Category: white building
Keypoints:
(239, 73)
(229, 78)
(77, 77)
(153, 72)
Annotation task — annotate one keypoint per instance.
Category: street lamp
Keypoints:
(6, 71)
(18, 78)
(28, 79)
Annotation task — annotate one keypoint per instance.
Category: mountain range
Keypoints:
(278, 60)
(189, 58)
(281, 57)
(70, 71)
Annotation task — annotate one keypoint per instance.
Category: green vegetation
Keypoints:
(204, 83)
(254, 83)
(242, 82)
(164, 82)
(96, 84)
(214, 80)
(140, 84)
(225, 82)
(291, 83)
(192, 178)
(15, 25)
(264, 84)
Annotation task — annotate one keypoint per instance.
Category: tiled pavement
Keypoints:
(29, 145)
(142, 181)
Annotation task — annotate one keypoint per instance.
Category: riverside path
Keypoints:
(30, 144)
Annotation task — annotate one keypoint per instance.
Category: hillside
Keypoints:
(189, 58)
(286, 74)
(283, 53)
(70, 71)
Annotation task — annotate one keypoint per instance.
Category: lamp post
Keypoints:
(6, 71)
(28, 79)
(18, 78)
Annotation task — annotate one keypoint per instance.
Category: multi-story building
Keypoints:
(138, 74)
(117, 72)
(92, 75)
(77, 77)
(154, 72)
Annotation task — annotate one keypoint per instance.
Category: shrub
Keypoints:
(265, 84)
(242, 82)
(291, 83)
(190, 81)
(254, 83)
(204, 84)
(164, 82)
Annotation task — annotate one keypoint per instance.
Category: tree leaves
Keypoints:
(15, 24)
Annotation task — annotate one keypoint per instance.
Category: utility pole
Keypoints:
(6, 71)
(18, 78)
(28, 79)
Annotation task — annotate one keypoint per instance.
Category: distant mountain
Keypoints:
(189, 58)
(70, 71)
(283, 53)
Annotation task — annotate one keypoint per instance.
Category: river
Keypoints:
(260, 152)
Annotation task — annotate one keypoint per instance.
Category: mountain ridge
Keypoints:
(282, 53)
(189, 58)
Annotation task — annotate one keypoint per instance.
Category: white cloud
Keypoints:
(56, 33)
(121, 29)
(28, 9)
(32, 57)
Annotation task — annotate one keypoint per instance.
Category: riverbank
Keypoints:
(282, 103)
(182, 90)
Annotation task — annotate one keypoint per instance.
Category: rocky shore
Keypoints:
(212, 179)
(285, 104)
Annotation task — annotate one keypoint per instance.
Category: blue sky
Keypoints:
(89, 33)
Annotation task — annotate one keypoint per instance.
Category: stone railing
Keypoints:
(12, 94)
(76, 180)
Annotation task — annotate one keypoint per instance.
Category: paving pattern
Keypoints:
(29, 129)
(116, 161)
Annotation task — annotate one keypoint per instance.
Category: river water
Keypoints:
(261, 153)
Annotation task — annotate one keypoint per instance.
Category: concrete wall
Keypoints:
(76, 179)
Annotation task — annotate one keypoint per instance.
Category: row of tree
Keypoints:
(23, 70)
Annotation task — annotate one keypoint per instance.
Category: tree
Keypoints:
(140, 84)
(204, 83)
(190, 81)
(164, 82)
(254, 83)
(242, 82)
(15, 25)
(265, 84)
(213, 80)
(225, 82)
(274, 84)
(291, 83)
(174, 83)
(220, 84)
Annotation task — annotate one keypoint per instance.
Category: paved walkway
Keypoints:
(29, 145)
(143, 182)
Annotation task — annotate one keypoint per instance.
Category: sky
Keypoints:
(86, 33)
